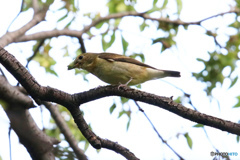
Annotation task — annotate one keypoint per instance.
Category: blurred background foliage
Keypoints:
(220, 66)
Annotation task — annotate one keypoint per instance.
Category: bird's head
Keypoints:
(83, 61)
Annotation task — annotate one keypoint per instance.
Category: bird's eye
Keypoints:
(80, 57)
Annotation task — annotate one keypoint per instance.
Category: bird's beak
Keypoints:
(71, 66)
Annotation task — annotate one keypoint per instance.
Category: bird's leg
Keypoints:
(123, 85)
(129, 81)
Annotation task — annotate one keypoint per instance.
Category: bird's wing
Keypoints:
(120, 58)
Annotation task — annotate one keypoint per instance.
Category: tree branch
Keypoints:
(23, 124)
(159, 101)
(11, 94)
(40, 44)
(72, 102)
(65, 130)
(49, 34)
(26, 129)
(40, 93)
(50, 94)
(82, 45)
(155, 129)
(75, 33)
(12, 36)
(16, 15)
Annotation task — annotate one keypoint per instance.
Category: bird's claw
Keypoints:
(122, 86)
(125, 85)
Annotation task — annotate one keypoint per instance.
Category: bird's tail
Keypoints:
(158, 73)
(168, 73)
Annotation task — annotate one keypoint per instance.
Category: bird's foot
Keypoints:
(121, 86)
(124, 85)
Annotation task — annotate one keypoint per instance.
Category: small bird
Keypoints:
(118, 69)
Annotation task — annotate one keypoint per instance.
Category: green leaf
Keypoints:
(48, 2)
(3, 104)
(238, 138)
(124, 100)
(166, 42)
(105, 44)
(121, 7)
(201, 60)
(128, 123)
(45, 60)
(164, 4)
(238, 103)
(138, 55)
(138, 86)
(178, 100)
(117, 22)
(189, 140)
(86, 146)
(128, 113)
(143, 25)
(99, 25)
(112, 108)
(155, 8)
(124, 45)
(112, 39)
(65, 16)
(49, 70)
(198, 125)
(111, 7)
(83, 73)
(27, 5)
(70, 22)
(121, 113)
(179, 6)
(212, 73)
(154, 2)
(158, 40)
(66, 54)
(233, 81)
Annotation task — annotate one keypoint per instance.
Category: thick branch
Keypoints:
(71, 101)
(12, 95)
(162, 102)
(27, 131)
(40, 93)
(118, 148)
(23, 124)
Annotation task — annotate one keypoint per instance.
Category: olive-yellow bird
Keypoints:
(118, 69)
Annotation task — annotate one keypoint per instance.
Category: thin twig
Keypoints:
(9, 141)
(235, 10)
(16, 16)
(190, 102)
(154, 128)
(41, 42)
(34, 54)
(62, 125)
(82, 45)
(12, 36)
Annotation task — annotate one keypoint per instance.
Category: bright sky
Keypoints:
(140, 138)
